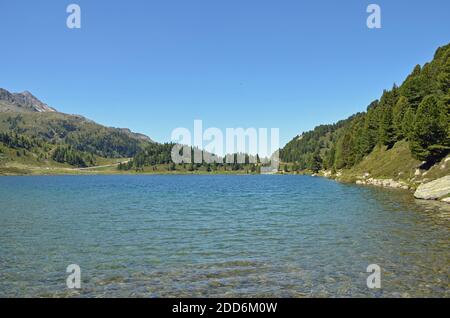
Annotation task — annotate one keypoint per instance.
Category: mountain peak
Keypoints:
(22, 102)
(27, 93)
(29, 100)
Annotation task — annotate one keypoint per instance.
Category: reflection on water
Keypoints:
(224, 236)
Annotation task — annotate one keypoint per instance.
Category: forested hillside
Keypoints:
(77, 131)
(35, 133)
(417, 112)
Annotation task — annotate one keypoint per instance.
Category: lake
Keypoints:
(218, 236)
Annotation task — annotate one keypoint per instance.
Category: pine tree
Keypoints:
(412, 88)
(370, 130)
(316, 162)
(408, 123)
(330, 158)
(429, 139)
(398, 114)
(359, 140)
(444, 76)
(386, 133)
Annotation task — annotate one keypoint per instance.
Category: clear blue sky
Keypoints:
(153, 66)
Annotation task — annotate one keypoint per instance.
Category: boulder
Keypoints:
(434, 190)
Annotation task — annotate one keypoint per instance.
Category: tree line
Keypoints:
(16, 141)
(161, 154)
(67, 154)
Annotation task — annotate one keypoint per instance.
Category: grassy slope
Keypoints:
(397, 164)
(10, 108)
(24, 162)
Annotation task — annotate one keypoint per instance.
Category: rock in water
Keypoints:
(434, 190)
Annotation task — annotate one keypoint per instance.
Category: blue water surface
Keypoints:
(217, 235)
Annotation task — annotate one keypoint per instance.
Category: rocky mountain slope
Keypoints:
(22, 102)
(30, 128)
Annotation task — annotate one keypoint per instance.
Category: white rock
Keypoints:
(327, 173)
(434, 190)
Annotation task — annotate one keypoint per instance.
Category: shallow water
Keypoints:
(164, 236)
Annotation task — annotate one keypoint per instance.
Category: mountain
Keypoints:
(31, 127)
(409, 124)
(22, 102)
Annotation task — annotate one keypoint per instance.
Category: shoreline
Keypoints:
(417, 190)
(346, 177)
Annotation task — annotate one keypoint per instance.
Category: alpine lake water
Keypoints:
(218, 236)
